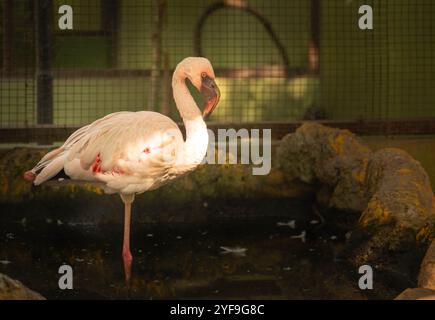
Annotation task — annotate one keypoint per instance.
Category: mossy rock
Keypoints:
(389, 189)
(335, 158)
(190, 193)
(11, 289)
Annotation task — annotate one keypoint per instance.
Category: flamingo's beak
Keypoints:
(211, 94)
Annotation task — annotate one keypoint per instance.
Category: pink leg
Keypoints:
(126, 254)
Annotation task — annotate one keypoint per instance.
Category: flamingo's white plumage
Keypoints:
(132, 152)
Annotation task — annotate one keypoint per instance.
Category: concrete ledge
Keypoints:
(208, 184)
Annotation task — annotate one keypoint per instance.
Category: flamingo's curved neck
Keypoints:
(195, 146)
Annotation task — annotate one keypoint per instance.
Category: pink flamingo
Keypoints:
(132, 152)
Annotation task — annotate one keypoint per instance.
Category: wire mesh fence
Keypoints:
(17, 85)
(278, 60)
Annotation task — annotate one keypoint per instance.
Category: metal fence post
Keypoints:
(8, 36)
(314, 48)
(44, 77)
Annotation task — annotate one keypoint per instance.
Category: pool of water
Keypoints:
(188, 260)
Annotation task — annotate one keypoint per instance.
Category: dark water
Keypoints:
(186, 260)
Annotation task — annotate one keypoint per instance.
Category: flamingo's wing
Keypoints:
(126, 151)
(53, 162)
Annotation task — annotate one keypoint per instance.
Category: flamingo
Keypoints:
(132, 152)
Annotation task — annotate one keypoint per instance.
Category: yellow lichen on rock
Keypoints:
(338, 143)
(336, 158)
(375, 212)
(398, 189)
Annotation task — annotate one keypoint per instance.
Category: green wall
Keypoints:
(388, 72)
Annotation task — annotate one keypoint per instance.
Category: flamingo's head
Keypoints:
(200, 72)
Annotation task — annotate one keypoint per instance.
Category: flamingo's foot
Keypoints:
(29, 176)
(128, 259)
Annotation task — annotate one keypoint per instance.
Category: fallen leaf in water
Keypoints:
(234, 250)
(301, 236)
(290, 224)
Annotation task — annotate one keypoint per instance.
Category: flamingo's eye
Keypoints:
(203, 74)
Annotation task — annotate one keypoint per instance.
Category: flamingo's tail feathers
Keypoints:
(52, 169)
(50, 165)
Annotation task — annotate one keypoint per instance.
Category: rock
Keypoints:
(390, 190)
(334, 158)
(11, 289)
(398, 189)
(426, 278)
(399, 216)
(416, 294)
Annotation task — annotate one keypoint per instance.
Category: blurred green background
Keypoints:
(385, 73)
